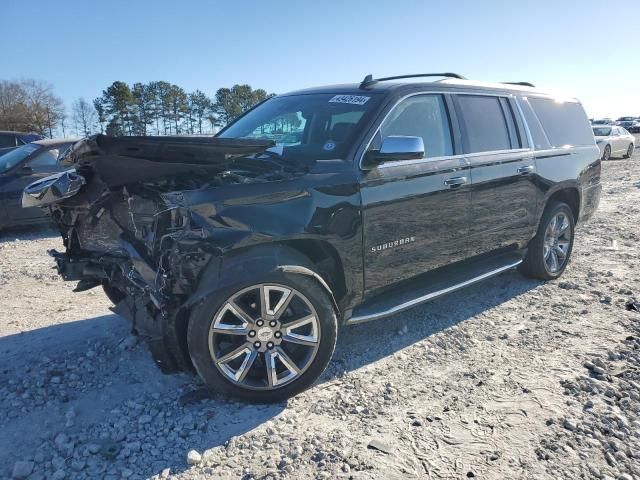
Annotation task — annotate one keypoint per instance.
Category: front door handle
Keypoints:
(526, 170)
(455, 181)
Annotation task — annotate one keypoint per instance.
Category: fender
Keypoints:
(237, 265)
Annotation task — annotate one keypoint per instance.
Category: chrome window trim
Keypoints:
(449, 157)
(526, 125)
(418, 161)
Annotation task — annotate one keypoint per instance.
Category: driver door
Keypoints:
(416, 213)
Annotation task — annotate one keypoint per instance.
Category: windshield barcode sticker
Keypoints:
(352, 99)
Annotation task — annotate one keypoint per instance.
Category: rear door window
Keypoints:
(565, 123)
(486, 126)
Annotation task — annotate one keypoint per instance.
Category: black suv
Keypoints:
(240, 255)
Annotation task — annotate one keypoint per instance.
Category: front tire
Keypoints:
(114, 294)
(607, 153)
(265, 340)
(549, 251)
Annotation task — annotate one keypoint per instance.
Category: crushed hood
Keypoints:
(122, 160)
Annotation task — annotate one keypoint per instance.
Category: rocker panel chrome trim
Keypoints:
(430, 296)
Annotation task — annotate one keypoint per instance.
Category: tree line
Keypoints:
(154, 108)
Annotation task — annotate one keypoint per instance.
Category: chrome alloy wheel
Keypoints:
(264, 336)
(557, 240)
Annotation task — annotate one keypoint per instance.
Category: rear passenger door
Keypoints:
(502, 167)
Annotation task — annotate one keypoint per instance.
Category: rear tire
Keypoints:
(247, 347)
(629, 151)
(607, 153)
(549, 251)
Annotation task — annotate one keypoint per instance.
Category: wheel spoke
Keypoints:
(241, 373)
(219, 326)
(310, 339)
(270, 362)
(286, 361)
(282, 304)
(560, 254)
(554, 261)
(226, 329)
(552, 226)
(232, 355)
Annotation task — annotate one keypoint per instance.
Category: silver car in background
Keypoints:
(613, 141)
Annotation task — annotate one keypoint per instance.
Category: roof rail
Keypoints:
(369, 80)
(523, 84)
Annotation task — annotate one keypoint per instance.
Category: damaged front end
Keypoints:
(126, 227)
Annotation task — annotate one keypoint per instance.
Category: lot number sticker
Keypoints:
(352, 99)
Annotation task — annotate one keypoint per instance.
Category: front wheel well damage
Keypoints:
(315, 254)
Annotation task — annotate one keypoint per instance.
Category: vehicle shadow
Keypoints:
(363, 344)
(116, 382)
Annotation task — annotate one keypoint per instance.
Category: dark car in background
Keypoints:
(602, 121)
(12, 140)
(20, 167)
(625, 122)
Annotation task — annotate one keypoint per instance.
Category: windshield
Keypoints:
(602, 131)
(314, 126)
(625, 119)
(14, 157)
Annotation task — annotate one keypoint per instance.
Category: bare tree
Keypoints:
(29, 105)
(84, 117)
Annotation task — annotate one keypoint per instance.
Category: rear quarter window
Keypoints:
(565, 123)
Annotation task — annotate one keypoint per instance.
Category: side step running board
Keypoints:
(369, 314)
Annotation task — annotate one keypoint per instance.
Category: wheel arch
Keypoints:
(566, 194)
(287, 256)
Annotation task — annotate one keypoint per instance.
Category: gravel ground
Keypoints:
(509, 379)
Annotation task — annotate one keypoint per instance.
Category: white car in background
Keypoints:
(613, 141)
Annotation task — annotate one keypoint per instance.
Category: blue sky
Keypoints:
(83, 46)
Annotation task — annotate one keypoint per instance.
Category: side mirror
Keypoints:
(25, 171)
(395, 148)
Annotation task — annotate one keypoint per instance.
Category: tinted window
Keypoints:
(540, 141)
(421, 116)
(7, 141)
(485, 123)
(565, 123)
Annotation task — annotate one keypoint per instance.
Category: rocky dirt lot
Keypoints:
(508, 379)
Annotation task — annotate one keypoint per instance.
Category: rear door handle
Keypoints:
(526, 170)
(455, 181)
